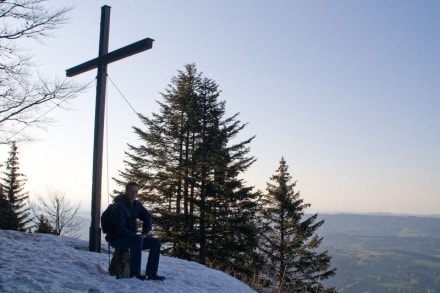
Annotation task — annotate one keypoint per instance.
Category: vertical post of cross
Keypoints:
(95, 230)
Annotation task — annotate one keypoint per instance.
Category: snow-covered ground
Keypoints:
(49, 263)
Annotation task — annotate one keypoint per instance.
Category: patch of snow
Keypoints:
(49, 263)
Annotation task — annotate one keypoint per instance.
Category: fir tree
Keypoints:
(43, 226)
(13, 188)
(8, 219)
(289, 242)
(189, 168)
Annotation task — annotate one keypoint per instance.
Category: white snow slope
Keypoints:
(49, 263)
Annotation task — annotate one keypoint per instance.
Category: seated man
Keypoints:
(124, 233)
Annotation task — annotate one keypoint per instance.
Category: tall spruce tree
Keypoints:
(17, 211)
(289, 242)
(189, 163)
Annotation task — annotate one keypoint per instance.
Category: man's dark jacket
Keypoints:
(124, 215)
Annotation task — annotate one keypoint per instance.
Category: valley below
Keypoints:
(382, 253)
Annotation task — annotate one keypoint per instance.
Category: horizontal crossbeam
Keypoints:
(113, 56)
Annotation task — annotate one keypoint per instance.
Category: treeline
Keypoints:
(189, 164)
(53, 213)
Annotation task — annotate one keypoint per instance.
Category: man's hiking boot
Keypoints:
(155, 277)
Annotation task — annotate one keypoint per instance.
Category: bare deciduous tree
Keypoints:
(59, 211)
(25, 96)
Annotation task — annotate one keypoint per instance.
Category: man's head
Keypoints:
(131, 191)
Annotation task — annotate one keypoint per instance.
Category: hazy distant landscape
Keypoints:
(383, 253)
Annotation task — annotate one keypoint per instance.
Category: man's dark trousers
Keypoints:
(137, 243)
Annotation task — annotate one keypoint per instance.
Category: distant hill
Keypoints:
(380, 225)
(383, 253)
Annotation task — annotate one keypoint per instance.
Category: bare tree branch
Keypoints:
(59, 211)
(29, 18)
(24, 95)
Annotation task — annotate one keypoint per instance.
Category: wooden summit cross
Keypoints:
(104, 58)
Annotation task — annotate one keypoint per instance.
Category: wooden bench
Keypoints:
(120, 264)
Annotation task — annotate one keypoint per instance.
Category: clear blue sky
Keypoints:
(347, 91)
